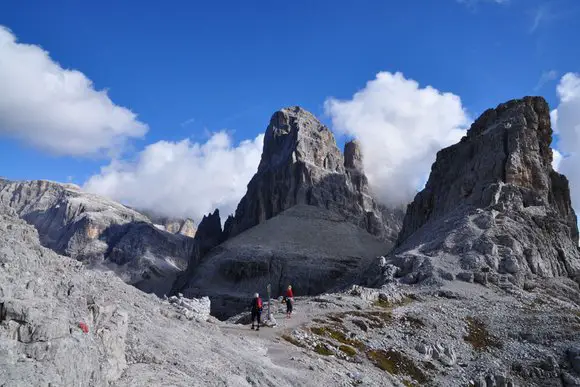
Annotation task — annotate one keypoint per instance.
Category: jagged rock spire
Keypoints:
(301, 164)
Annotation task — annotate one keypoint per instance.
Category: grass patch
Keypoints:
(320, 331)
(335, 318)
(384, 316)
(294, 341)
(338, 336)
(396, 363)
(350, 351)
(322, 350)
(380, 303)
(376, 319)
(478, 336)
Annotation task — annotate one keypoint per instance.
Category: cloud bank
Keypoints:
(56, 109)
(183, 178)
(400, 126)
(567, 121)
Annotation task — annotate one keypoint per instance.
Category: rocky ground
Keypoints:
(311, 248)
(132, 338)
(459, 335)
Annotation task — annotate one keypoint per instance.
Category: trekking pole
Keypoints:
(269, 302)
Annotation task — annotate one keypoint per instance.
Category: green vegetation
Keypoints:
(381, 303)
(320, 331)
(322, 350)
(337, 335)
(350, 351)
(292, 340)
(396, 363)
(478, 336)
(376, 319)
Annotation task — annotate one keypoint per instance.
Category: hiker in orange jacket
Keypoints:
(256, 310)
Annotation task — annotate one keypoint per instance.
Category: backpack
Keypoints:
(259, 303)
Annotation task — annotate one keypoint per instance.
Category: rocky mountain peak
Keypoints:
(493, 202)
(294, 134)
(182, 226)
(353, 157)
(508, 145)
(301, 164)
(209, 232)
(173, 225)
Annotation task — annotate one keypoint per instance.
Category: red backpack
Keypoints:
(259, 302)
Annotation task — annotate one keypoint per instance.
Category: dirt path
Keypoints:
(301, 314)
(279, 351)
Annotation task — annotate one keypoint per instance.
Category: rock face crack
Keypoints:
(2, 312)
(505, 143)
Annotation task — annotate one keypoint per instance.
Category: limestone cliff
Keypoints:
(493, 208)
(301, 164)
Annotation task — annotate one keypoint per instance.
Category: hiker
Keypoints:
(256, 310)
(289, 301)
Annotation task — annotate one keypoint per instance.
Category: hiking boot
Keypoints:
(252, 327)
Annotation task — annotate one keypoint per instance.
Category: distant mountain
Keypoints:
(100, 232)
(181, 226)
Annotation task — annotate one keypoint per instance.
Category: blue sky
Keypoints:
(188, 69)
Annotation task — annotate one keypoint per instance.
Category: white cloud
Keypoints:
(401, 126)
(473, 3)
(556, 159)
(568, 123)
(543, 14)
(554, 120)
(183, 178)
(546, 77)
(539, 15)
(56, 109)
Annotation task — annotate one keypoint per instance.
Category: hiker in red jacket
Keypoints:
(256, 310)
(289, 301)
